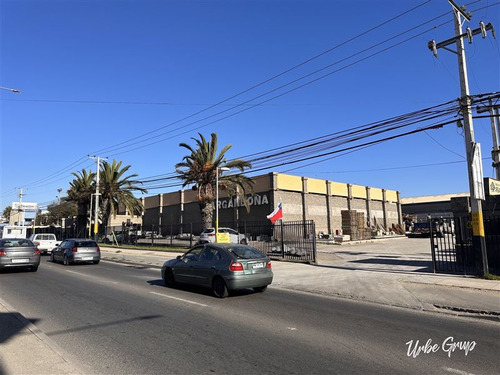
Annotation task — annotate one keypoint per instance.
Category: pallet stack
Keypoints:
(353, 224)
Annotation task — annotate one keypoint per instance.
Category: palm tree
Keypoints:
(200, 168)
(117, 190)
(80, 192)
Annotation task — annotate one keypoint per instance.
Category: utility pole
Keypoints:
(495, 130)
(474, 163)
(97, 193)
(20, 209)
(59, 205)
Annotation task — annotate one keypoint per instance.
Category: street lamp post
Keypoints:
(221, 169)
(9, 89)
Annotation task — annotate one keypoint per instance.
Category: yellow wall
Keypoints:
(391, 195)
(339, 189)
(376, 194)
(316, 186)
(286, 182)
(358, 191)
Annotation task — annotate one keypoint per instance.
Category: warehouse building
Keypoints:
(302, 198)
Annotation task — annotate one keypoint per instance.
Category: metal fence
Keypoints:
(288, 240)
(453, 250)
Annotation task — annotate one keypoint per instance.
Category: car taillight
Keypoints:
(268, 265)
(75, 249)
(211, 235)
(2, 253)
(236, 266)
(37, 243)
(37, 252)
(98, 249)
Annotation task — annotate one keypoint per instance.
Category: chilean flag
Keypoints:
(276, 214)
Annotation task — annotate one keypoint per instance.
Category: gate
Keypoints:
(453, 250)
(291, 240)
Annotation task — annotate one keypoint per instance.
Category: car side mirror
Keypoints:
(178, 257)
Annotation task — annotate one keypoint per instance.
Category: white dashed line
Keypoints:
(455, 371)
(179, 299)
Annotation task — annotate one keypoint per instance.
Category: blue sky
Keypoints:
(94, 74)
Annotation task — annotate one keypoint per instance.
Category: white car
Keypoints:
(208, 235)
(44, 242)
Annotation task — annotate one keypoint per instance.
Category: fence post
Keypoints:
(314, 241)
(152, 234)
(282, 240)
(171, 234)
(433, 248)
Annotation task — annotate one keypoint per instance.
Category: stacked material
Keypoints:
(353, 224)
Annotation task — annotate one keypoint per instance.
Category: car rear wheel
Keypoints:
(219, 288)
(34, 269)
(169, 278)
(66, 260)
(260, 289)
(95, 262)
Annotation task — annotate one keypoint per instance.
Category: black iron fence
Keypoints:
(453, 250)
(288, 240)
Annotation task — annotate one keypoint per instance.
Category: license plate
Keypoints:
(258, 265)
(20, 260)
(87, 258)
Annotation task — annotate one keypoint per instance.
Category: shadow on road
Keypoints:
(101, 325)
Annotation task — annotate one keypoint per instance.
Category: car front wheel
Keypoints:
(219, 288)
(169, 278)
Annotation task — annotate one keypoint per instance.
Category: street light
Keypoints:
(221, 169)
(9, 89)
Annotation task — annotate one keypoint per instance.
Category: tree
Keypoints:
(117, 190)
(6, 212)
(80, 192)
(200, 168)
(57, 211)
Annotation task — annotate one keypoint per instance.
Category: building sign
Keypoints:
(493, 186)
(253, 200)
(25, 206)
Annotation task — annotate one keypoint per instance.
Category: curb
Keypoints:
(65, 356)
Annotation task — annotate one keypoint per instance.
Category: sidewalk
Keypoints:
(24, 349)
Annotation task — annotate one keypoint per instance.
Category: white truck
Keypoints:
(45, 242)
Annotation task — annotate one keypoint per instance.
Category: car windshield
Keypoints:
(208, 230)
(246, 252)
(86, 244)
(15, 243)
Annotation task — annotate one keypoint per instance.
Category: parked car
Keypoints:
(76, 250)
(208, 236)
(19, 252)
(45, 242)
(221, 267)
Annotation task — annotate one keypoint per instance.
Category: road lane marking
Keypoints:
(455, 371)
(179, 299)
(92, 276)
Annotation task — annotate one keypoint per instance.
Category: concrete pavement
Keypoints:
(391, 272)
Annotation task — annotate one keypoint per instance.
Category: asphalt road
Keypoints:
(120, 319)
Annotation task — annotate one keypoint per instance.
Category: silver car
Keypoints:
(19, 253)
(221, 267)
(76, 250)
